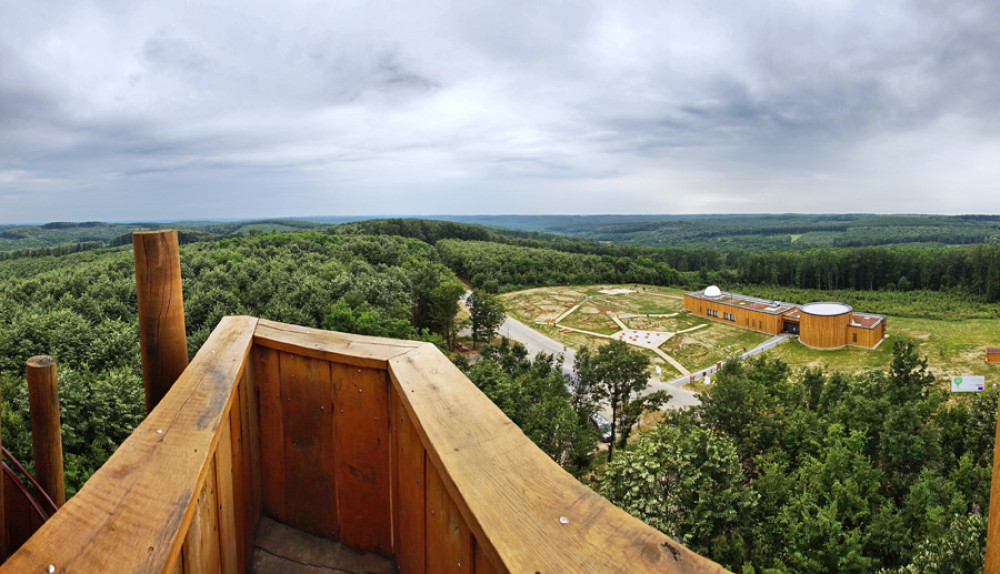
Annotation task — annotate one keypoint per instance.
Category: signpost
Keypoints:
(967, 384)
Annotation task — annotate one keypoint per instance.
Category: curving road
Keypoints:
(537, 342)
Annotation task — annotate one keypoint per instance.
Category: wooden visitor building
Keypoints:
(352, 449)
(821, 325)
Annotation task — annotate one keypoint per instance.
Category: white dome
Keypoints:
(713, 291)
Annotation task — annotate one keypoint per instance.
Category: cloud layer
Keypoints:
(163, 110)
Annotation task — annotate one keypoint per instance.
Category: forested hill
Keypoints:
(66, 237)
(758, 232)
(81, 309)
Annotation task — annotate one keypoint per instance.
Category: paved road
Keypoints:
(535, 342)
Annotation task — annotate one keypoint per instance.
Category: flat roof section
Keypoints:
(866, 320)
(746, 302)
(826, 309)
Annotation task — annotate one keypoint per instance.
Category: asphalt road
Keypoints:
(536, 342)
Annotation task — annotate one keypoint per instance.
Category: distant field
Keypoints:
(952, 346)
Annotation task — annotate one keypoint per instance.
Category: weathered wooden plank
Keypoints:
(449, 542)
(311, 488)
(361, 435)
(201, 545)
(252, 413)
(483, 565)
(271, 435)
(511, 494)
(178, 566)
(408, 491)
(142, 498)
(242, 494)
(344, 348)
(298, 551)
(224, 469)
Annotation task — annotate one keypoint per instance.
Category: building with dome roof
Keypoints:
(820, 325)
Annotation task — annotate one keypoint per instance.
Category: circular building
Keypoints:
(824, 325)
(713, 292)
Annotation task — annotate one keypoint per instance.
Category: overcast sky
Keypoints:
(165, 109)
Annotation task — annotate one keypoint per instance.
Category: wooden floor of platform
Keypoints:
(285, 550)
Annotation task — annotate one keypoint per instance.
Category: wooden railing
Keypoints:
(381, 444)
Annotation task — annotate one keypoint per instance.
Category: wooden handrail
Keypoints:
(131, 515)
(525, 513)
(423, 467)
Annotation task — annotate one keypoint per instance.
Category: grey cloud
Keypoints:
(634, 105)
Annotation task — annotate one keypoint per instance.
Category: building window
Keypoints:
(855, 337)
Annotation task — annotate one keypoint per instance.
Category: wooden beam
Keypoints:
(46, 431)
(355, 350)
(163, 342)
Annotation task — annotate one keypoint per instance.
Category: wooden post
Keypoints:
(163, 343)
(46, 434)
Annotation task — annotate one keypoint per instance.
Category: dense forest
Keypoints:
(759, 232)
(819, 472)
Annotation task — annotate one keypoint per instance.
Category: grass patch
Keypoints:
(709, 345)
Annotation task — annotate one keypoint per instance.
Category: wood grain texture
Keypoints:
(46, 430)
(252, 413)
(133, 513)
(310, 472)
(361, 435)
(201, 544)
(449, 542)
(246, 522)
(511, 494)
(482, 562)
(226, 502)
(409, 539)
(162, 340)
(271, 435)
(345, 348)
(824, 331)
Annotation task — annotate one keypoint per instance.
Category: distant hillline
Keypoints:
(720, 232)
(476, 217)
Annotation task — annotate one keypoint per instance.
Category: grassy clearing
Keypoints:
(953, 342)
(708, 345)
(951, 347)
(592, 316)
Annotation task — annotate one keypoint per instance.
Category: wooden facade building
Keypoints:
(993, 354)
(822, 325)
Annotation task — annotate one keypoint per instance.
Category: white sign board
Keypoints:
(967, 384)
